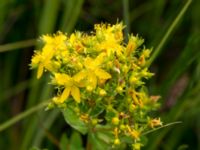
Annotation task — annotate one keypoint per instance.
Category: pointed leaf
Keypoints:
(64, 142)
(76, 141)
(97, 144)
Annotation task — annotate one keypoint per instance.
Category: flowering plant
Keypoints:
(100, 84)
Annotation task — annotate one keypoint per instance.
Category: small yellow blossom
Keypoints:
(84, 118)
(115, 120)
(102, 92)
(154, 122)
(133, 133)
(93, 70)
(136, 146)
(131, 46)
(117, 141)
(71, 85)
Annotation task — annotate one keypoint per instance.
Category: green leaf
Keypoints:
(97, 144)
(76, 141)
(102, 138)
(74, 121)
(64, 142)
(96, 111)
(36, 148)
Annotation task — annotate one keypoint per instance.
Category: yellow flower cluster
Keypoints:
(99, 71)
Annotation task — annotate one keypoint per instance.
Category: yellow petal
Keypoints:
(36, 59)
(48, 52)
(75, 92)
(62, 79)
(47, 39)
(80, 79)
(99, 59)
(65, 94)
(102, 74)
(89, 63)
(92, 79)
(56, 100)
(40, 71)
(79, 76)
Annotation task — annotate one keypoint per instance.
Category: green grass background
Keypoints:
(171, 28)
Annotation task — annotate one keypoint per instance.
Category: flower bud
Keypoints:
(132, 107)
(119, 89)
(115, 120)
(102, 92)
(122, 127)
(94, 121)
(89, 88)
(117, 141)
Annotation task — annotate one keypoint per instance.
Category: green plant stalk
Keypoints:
(168, 33)
(21, 116)
(166, 125)
(49, 16)
(68, 9)
(46, 124)
(70, 21)
(17, 45)
(48, 19)
(140, 10)
(126, 17)
(15, 90)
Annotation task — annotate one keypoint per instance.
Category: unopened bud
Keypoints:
(115, 120)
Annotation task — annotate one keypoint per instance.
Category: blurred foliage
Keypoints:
(177, 68)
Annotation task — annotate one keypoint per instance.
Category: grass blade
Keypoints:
(163, 41)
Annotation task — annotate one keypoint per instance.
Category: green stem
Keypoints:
(21, 116)
(68, 21)
(166, 125)
(17, 45)
(168, 33)
(126, 17)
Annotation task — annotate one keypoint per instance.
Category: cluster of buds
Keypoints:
(101, 78)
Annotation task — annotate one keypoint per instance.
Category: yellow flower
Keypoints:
(131, 46)
(42, 61)
(134, 133)
(71, 85)
(111, 37)
(85, 118)
(56, 42)
(93, 70)
(75, 41)
(115, 120)
(154, 122)
(53, 44)
(110, 47)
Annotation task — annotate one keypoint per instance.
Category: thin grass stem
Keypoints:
(17, 45)
(166, 125)
(163, 41)
(21, 116)
(126, 17)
